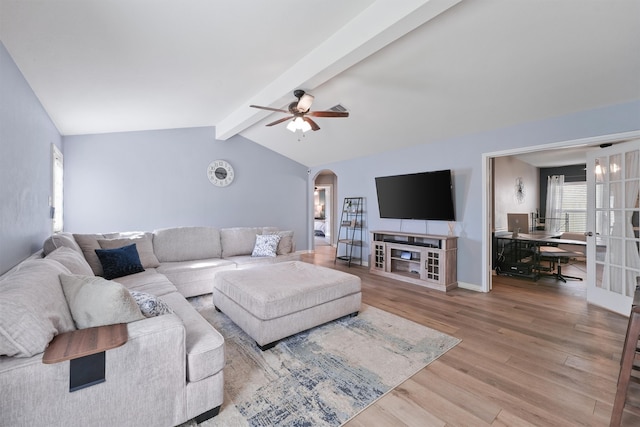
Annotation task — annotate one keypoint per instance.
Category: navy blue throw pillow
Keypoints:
(120, 262)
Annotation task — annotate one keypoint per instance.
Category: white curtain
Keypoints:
(622, 250)
(553, 216)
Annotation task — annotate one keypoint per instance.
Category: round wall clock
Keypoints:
(220, 173)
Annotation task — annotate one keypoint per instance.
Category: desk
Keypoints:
(521, 255)
(545, 239)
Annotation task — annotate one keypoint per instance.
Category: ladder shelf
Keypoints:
(349, 243)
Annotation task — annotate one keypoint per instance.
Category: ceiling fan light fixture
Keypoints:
(298, 124)
(305, 127)
(300, 114)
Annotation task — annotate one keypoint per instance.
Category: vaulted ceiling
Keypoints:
(409, 72)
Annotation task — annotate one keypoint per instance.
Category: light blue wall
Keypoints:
(154, 179)
(26, 135)
(464, 156)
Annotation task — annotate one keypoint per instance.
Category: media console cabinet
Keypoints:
(423, 259)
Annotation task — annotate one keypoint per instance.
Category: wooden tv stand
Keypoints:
(423, 259)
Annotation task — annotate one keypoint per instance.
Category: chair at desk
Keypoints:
(556, 255)
(579, 250)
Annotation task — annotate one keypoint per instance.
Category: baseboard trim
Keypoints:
(470, 286)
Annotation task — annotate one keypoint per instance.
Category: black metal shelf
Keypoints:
(350, 232)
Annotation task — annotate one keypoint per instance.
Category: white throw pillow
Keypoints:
(95, 301)
(266, 245)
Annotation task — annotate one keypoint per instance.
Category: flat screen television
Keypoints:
(424, 195)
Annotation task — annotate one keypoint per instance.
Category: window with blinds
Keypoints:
(574, 205)
(57, 191)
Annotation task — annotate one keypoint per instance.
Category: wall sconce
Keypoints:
(598, 168)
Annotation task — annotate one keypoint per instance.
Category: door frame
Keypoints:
(487, 187)
(329, 210)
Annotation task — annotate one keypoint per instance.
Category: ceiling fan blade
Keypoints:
(314, 125)
(269, 108)
(279, 121)
(328, 113)
(305, 103)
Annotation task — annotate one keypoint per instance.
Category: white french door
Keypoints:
(613, 259)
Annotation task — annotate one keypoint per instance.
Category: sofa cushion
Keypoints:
(248, 261)
(149, 281)
(186, 243)
(71, 259)
(144, 245)
(59, 240)
(194, 277)
(238, 240)
(268, 230)
(266, 245)
(88, 244)
(95, 301)
(119, 262)
(150, 305)
(205, 345)
(33, 308)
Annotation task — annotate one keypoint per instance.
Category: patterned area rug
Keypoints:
(321, 377)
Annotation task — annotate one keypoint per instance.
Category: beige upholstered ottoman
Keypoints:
(278, 300)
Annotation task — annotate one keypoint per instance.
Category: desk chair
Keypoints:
(556, 255)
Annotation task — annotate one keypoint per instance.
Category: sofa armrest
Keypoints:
(145, 379)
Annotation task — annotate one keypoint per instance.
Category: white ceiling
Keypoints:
(409, 72)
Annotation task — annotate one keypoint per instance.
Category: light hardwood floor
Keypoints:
(532, 353)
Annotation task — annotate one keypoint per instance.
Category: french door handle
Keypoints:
(588, 233)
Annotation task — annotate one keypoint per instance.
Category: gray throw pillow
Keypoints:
(89, 243)
(144, 246)
(286, 244)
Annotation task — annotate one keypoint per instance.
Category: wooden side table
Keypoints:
(85, 349)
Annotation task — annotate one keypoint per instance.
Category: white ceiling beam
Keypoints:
(377, 26)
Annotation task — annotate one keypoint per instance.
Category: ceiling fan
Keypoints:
(300, 113)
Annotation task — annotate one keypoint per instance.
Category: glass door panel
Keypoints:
(613, 258)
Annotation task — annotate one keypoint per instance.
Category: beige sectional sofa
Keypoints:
(171, 368)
